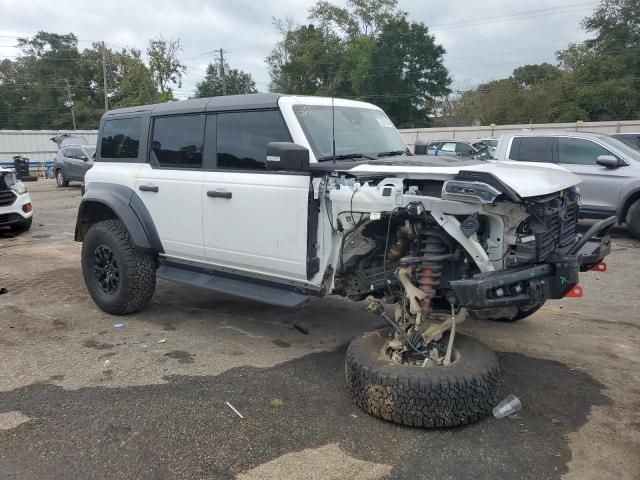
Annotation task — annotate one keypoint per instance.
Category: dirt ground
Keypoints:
(82, 399)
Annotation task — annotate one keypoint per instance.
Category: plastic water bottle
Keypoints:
(508, 406)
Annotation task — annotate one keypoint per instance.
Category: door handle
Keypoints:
(218, 194)
(148, 188)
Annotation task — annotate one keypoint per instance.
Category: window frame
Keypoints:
(214, 161)
(556, 151)
(519, 138)
(155, 164)
(142, 140)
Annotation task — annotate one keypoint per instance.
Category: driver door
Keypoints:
(601, 186)
(253, 220)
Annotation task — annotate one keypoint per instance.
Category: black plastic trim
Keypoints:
(291, 286)
(127, 207)
(489, 179)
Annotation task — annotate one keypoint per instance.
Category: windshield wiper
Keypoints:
(392, 153)
(345, 156)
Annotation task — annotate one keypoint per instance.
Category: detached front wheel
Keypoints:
(436, 396)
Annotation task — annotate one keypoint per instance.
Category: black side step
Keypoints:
(239, 288)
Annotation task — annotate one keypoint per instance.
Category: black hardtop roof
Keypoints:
(211, 104)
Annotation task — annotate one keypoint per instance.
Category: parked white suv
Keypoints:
(16, 209)
(277, 198)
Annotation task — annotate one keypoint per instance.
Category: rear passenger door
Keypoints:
(531, 149)
(601, 186)
(170, 183)
(254, 220)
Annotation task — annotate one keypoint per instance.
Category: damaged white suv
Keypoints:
(277, 198)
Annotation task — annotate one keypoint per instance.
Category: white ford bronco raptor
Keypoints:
(277, 198)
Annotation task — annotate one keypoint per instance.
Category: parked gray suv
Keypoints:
(73, 159)
(610, 169)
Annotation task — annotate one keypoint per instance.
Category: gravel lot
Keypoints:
(82, 399)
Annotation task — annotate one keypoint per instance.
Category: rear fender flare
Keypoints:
(125, 205)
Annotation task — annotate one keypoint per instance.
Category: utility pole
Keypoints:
(104, 76)
(222, 75)
(70, 102)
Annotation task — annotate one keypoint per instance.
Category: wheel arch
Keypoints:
(629, 199)
(106, 201)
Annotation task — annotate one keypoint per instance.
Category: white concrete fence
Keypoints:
(470, 133)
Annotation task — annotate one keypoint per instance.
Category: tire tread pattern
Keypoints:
(423, 397)
(139, 269)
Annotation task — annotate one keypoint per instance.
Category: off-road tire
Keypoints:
(23, 226)
(633, 219)
(461, 393)
(137, 269)
(524, 311)
(61, 178)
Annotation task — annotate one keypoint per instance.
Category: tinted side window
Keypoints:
(463, 148)
(243, 138)
(532, 149)
(120, 138)
(177, 141)
(577, 151)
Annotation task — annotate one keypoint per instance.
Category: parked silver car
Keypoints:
(454, 148)
(73, 159)
(610, 169)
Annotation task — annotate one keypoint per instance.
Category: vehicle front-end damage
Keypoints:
(438, 247)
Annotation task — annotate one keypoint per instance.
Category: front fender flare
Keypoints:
(126, 206)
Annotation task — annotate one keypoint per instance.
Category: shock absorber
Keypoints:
(429, 271)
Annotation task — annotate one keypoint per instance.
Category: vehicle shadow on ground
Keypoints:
(183, 429)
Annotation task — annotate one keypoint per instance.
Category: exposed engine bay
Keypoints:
(409, 243)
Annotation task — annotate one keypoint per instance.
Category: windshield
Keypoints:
(357, 131)
(623, 147)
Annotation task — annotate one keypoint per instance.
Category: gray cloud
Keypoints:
(476, 53)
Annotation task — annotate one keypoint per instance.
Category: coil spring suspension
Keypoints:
(429, 271)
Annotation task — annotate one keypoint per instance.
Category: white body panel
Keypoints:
(262, 227)
(118, 173)
(21, 200)
(176, 209)
(525, 180)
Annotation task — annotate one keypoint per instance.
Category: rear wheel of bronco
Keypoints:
(61, 179)
(633, 219)
(523, 311)
(120, 277)
(436, 396)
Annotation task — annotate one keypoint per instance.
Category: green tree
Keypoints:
(236, 82)
(165, 66)
(367, 50)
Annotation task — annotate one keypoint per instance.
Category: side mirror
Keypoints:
(608, 161)
(287, 156)
(84, 157)
(421, 147)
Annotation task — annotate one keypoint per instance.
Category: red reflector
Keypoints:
(599, 267)
(575, 292)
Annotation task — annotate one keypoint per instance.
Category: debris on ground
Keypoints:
(277, 402)
(233, 408)
(302, 330)
(506, 407)
(3, 291)
(118, 325)
(162, 340)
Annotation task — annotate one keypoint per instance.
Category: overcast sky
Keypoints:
(484, 40)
